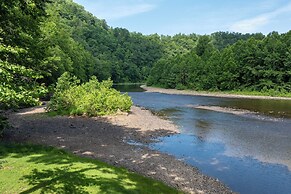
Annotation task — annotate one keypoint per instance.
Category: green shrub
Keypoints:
(19, 85)
(20, 97)
(180, 86)
(92, 98)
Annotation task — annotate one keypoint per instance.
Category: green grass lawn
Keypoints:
(39, 169)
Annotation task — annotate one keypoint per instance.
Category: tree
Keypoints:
(204, 46)
(21, 61)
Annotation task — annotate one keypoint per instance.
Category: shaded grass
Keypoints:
(38, 169)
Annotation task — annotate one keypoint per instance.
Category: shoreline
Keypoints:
(208, 94)
(107, 139)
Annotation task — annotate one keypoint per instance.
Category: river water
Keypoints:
(247, 148)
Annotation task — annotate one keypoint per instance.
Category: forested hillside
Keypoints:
(86, 46)
(40, 40)
(260, 63)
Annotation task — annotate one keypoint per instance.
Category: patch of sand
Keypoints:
(224, 109)
(143, 120)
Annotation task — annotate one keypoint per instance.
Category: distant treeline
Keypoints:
(259, 63)
(42, 39)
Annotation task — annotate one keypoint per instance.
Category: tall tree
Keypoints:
(21, 53)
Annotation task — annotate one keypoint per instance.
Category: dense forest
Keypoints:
(259, 63)
(42, 39)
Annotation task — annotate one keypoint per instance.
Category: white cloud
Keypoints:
(114, 10)
(122, 11)
(254, 24)
(250, 25)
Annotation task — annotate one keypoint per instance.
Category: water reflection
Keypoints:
(250, 153)
(203, 124)
(244, 175)
(277, 108)
(203, 129)
(128, 87)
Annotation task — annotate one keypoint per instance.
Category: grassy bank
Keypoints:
(39, 169)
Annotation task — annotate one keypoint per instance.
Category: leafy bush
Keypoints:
(18, 86)
(92, 98)
(20, 97)
(180, 86)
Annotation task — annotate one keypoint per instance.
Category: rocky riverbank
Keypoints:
(210, 94)
(106, 139)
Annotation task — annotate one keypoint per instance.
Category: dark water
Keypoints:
(251, 153)
(128, 87)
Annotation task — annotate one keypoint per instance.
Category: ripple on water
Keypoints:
(248, 147)
(239, 112)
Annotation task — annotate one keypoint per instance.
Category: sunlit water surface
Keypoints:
(251, 153)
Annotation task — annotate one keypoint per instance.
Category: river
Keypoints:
(245, 143)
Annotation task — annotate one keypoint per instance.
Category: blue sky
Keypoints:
(170, 17)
